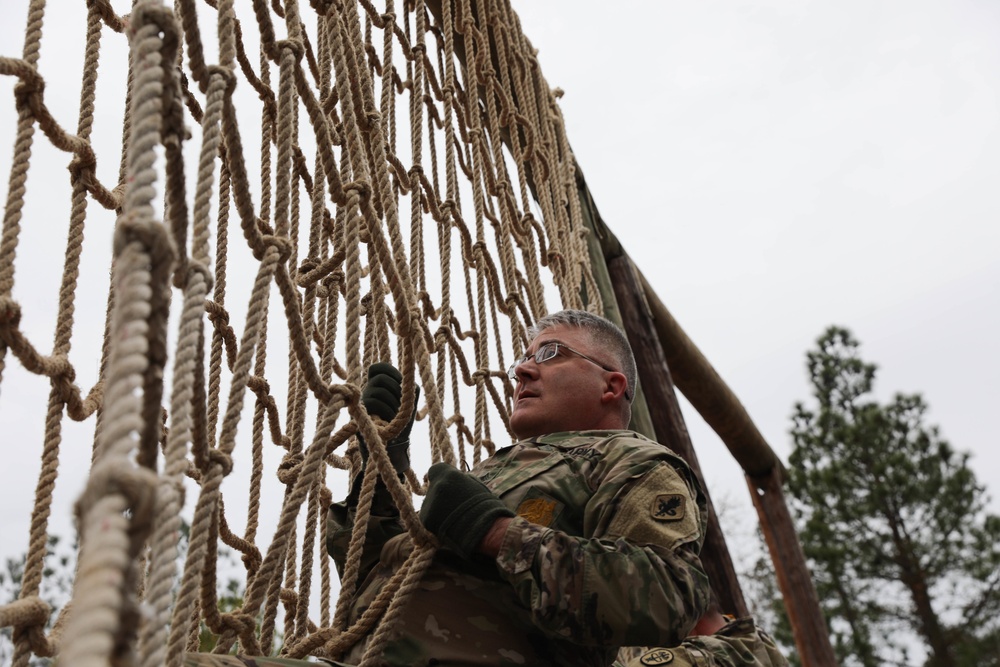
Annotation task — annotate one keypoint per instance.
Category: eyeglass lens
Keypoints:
(541, 355)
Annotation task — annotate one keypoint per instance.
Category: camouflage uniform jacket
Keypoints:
(739, 643)
(603, 553)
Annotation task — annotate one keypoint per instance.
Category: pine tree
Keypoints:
(893, 522)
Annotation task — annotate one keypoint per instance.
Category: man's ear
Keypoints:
(616, 386)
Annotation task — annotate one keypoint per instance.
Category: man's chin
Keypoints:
(522, 426)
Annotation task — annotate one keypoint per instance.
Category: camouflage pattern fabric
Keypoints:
(737, 644)
(215, 660)
(603, 553)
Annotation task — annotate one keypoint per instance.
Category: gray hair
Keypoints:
(603, 332)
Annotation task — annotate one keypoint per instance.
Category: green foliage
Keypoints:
(892, 521)
(230, 598)
(55, 589)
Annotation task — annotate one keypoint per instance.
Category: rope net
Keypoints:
(341, 184)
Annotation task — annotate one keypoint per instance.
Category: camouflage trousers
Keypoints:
(216, 660)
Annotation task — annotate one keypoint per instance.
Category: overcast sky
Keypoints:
(772, 168)
(777, 167)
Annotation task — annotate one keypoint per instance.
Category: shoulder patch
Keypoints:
(668, 507)
(658, 509)
(539, 508)
(658, 656)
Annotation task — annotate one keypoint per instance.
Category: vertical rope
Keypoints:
(103, 619)
(32, 639)
(20, 164)
(345, 305)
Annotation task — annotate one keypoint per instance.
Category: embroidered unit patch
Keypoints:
(668, 507)
(658, 656)
(539, 511)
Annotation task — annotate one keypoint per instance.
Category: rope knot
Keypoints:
(293, 45)
(224, 73)
(117, 476)
(218, 314)
(349, 393)
(243, 624)
(361, 188)
(283, 245)
(10, 312)
(29, 88)
(307, 265)
(152, 236)
(194, 268)
(330, 284)
(288, 470)
(83, 163)
(61, 370)
(223, 460)
(30, 611)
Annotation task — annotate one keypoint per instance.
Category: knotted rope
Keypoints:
(426, 252)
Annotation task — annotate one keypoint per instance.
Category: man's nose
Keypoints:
(526, 369)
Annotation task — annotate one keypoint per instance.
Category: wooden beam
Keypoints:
(668, 422)
(684, 364)
(709, 394)
(642, 421)
(812, 638)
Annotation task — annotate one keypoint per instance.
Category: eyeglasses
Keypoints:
(549, 351)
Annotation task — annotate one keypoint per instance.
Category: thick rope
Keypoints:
(349, 176)
(103, 624)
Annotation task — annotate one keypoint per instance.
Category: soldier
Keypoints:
(579, 538)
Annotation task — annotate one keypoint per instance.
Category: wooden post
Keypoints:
(722, 410)
(668, 422)
(808, 626)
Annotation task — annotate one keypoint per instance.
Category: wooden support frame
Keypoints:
(657, 389)
(667, 348)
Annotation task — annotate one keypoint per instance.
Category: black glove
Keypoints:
(382, 396)
(459, 509)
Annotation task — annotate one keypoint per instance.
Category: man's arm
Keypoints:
(490, 546)
(633, 576)
(636, 580)
(601, 591)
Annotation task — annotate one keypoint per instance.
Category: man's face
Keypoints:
(566, 393)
